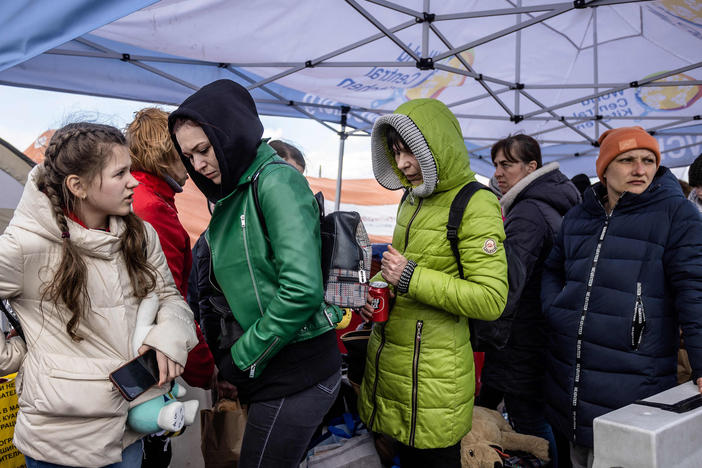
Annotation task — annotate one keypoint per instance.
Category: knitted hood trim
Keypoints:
(384, 166)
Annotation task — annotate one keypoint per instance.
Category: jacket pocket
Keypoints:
(638, 320)
(60, 385)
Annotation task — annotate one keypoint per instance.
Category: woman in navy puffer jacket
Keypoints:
(624, 275)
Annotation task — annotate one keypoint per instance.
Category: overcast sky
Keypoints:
(26, 113)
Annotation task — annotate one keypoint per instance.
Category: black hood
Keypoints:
(546, 184)
(227, 114)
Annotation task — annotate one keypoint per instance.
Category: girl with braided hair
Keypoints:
(75, 263)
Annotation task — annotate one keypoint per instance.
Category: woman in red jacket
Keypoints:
(161, 174)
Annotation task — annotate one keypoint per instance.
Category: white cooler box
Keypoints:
(648, 437)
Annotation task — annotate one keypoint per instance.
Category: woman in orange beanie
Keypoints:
(624, 274)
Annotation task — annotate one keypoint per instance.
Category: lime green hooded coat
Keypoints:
(419, 379)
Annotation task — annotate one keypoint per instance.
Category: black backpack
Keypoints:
(346, 251)
(487, 335)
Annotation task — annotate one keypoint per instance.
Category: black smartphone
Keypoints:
(136, 376)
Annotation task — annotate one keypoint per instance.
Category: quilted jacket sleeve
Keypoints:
(553, 276)
(13, 350)
(174, 332)
(527, 230)
(683, 269)
(483, 292)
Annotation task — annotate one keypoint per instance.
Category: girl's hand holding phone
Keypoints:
(167, 368)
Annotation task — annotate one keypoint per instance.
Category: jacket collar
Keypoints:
(35, 214)
(264, 154)
(508, 199)
(157, 185)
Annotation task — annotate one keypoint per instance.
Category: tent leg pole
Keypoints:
(342, 139)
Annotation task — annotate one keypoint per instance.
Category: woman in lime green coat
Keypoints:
(419, 380)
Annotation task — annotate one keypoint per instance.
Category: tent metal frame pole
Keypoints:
(613, 85)
(375, 22)
(528, 9)
(672, 124)
(143, 66)
(469, 70)
(614, 90)
(316, 62)
(278, 96)
(690, 145)
(517, 59)
(342, 139)
(595, 71)
(478, 97)
(504, 32)
(400, 8)
(557, 117)
(425, 32)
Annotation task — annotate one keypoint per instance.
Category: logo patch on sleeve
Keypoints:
(489, 246)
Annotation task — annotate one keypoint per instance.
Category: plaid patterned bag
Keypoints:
(346, 259)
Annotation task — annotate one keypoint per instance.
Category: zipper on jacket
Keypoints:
(375, 380)
(414, 215)
(415, 379)
(248, 261)
(328, 316)
(252, 368)
(638, 324)
(579, 342)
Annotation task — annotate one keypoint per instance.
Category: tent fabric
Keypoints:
(563, 72)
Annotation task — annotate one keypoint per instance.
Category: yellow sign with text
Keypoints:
(10, 457)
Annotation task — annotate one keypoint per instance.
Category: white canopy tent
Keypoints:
(14, 168)
(562, 72)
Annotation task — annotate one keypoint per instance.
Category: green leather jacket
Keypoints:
(274, 288)
(419, 380)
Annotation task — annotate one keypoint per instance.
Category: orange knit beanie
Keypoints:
(620, 140)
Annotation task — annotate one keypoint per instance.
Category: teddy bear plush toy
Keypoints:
(490, 433)
(163, 414)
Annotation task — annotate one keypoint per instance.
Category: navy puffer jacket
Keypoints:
(605, 274)
(533, 211)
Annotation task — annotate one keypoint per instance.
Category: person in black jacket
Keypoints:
(534, 200)
(624, 274)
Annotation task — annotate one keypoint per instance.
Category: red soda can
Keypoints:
(380, 302)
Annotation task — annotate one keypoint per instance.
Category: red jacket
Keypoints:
(154, 202)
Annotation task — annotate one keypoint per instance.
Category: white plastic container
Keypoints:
(646, 437)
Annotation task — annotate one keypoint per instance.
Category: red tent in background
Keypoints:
(376, 205)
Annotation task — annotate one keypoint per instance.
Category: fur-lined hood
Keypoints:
(434, 136)
(556, 190)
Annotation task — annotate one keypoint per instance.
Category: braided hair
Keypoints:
(83, 149)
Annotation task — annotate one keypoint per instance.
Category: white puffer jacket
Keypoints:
(69, 411)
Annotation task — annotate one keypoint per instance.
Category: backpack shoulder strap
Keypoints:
(13, 321)
(254, 189)
(458, 207)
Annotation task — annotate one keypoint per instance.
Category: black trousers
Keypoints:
(448, 457)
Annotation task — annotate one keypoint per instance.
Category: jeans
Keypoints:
(526, 415)
(278, 431)
(448, 457)
(131, 458)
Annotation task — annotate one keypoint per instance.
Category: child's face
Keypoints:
(407, 163)
(111, 192)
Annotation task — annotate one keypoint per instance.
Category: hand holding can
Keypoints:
(380, 300)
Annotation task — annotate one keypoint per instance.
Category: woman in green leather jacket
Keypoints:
(286, 362)
(419, 380)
